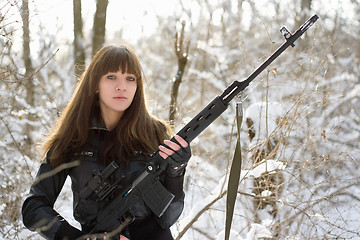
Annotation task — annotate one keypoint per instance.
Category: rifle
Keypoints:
(146, 187)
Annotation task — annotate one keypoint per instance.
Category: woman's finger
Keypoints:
(174, 146)
(166, 150)
(180, 140)
(162, 154)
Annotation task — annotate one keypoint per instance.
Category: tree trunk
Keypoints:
(26, 52)
(28, 78)
(182, 56)
(79, 50)
(302, 15)
(239, 11)
(357, 51)
(99, 25)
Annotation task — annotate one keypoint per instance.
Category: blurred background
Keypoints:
(300, 135)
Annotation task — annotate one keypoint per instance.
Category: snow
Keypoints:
(309, 112)
(258, 231)
(265, 117)
(268, 166)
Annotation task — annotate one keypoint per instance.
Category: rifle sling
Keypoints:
(234, 175)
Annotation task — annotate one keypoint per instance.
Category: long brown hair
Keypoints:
(137, 130)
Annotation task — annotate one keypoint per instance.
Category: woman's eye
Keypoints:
(130, 78)
(111, 77)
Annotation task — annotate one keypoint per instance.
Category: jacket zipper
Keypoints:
(85, 153)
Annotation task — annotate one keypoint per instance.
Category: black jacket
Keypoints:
(38, 213)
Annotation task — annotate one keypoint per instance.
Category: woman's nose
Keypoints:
(121, 85)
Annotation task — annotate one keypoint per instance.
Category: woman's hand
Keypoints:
(177, 152)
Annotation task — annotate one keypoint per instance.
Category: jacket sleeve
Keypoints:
(37, 210)
(175, 186)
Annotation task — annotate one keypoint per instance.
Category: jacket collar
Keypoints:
(97, 125)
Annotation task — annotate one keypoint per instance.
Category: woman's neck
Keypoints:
(110, 120)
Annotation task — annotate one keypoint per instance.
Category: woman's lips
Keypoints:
(120, 98)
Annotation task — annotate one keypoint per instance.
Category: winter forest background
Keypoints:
(301, 131)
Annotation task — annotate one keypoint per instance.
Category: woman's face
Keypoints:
(116, 93)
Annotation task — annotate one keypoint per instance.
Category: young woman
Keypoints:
(106, 120)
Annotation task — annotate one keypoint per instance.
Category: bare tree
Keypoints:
(79, 50)
(26, 52)
(302, 15)
(182, 51)
(29, 70)
(99, 25)
(356, 4)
